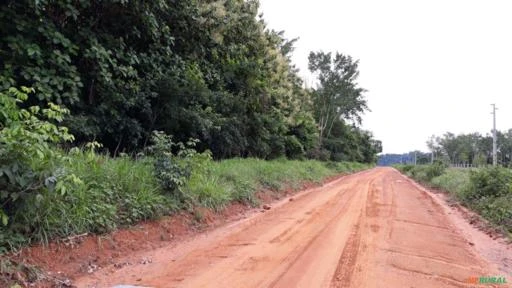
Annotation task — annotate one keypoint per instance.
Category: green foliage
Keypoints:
(489, 192)
(405, 168)
(456, 181)
(170, 172)
(113, 192)
(496, 209)
(339, 98)
(490, 182)
(319, 154)
(28, 157)
(48, 193)
(120, 70)
(434, 170)
(205, 70)
(193, 69)
(294, 149)
(338, 95)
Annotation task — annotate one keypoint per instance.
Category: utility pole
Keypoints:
(494, 144)
(432, 149)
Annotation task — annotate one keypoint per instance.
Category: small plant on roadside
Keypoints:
(174, 162)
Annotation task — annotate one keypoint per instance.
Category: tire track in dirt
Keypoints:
(347, 263)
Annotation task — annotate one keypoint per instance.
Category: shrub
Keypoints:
(319, 154)
(173, 162)
(496, 209)
(434, 170)
(28, 159)
(490, 182)
(294, 149)
(48, 193)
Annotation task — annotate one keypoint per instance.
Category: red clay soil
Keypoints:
(373, 229)
(78, 256)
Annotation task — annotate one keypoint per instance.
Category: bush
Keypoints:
(404, 168)
(173, 163)
(28, 159)
(434, 170)
(496, 209)
(48, 193)
(490, 182)
(490, 193)
(319, 154)
(294, 149)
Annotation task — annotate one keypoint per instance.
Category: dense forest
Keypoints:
(113, 112)
(208, 70)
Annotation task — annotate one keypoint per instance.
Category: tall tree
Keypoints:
(338, 95)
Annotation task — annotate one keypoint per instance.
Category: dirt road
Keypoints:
(371, 229)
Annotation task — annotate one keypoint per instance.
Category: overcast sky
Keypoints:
(429, 66)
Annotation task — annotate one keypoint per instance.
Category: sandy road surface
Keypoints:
(372, 229)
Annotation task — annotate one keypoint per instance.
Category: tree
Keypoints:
(338, 95)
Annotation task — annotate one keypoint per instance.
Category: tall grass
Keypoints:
(113, 192)
(239, 179)
(455, 181)
(119, 192)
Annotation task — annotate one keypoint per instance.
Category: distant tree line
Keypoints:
(208, 70)
(472, 149)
